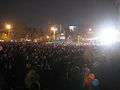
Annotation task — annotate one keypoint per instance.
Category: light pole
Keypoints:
(78, 39)
(54, 29)
(8, 27)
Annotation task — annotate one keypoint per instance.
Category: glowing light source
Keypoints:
(90, 29)
(8, 26)
(108, 36)
(54, 29)
(62, 34)
(72, 28)
(47, 37)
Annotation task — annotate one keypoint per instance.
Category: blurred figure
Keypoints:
(88, 81)
(32, 80)
(91, 83)
(95, 84)
(19, 70)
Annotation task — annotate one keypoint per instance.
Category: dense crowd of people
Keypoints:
(23, 64)
(36, 66)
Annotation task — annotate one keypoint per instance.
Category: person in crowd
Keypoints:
(95, 84)
(88, 81)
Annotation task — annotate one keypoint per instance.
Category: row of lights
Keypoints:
(107, 34)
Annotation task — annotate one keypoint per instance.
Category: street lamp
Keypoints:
(54, 29)
(90, 29)
(78, 39)
(47, 37)
(8, 27)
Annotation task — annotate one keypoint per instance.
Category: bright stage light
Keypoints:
(108, 36)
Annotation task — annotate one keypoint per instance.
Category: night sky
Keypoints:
(40, 12)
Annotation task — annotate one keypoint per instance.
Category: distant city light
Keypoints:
(90, 29)
(62, 34)
(28, 40)
(35, 40)
(72, 28)
(62, 37)
(8, 26)
(54, 29)
(47, 37)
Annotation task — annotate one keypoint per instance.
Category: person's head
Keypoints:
(92, 76)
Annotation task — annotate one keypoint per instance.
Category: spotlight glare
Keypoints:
(108, 36)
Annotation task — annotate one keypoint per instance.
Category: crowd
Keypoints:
(36, 66)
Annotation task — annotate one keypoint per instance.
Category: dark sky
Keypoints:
(39, 12)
